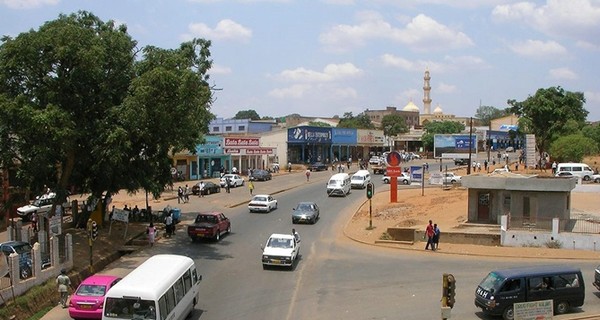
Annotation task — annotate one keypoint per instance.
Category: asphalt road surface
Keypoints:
(335, 278)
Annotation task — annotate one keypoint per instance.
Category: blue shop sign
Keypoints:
(344, 136)
(309, 134)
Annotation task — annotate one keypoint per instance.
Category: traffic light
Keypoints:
(370, 189)
(94, 232)
(451, 291)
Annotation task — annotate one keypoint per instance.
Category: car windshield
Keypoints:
(205, 218)
(491, 282)
(304, 207)
(280, 243)
(259, 199)
(24, 248)
(91, 290)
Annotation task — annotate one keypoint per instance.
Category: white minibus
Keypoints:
(339, 184)
(580, 170)
(165, 286)
(360, 179)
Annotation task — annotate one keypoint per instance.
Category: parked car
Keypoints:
(24, 250)
(305, 212)
(500, 170)
(565, 174)
(280, 250)
(510, 149)
(209, 225)
(450, 177)
(234, 180)
(318, 166)
(461, 162)
(404, 178)
(87, 301)
(262, 202)
(260, 175)
(41, 205)
(596, 178)
(209, 188)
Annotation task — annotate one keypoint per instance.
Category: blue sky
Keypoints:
(328, 57)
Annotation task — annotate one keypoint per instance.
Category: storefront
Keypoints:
(246, 153)
(369, 142)
(211, 158)
(343, 145)
(309, 144)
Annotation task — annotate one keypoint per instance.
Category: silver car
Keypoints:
(305, 212)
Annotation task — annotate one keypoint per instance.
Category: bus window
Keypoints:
(178, 286)
(162, 305)
(187, 280)
(170, 300)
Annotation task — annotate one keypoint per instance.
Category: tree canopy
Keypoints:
(77, 107)
(439, 127)
(247, 114)
(488, 113)
(393, 125)
(547, 113)
(360, 121)
(572, 148)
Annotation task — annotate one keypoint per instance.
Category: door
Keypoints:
(483, 207)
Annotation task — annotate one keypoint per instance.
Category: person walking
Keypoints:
(436, 236)
(169, 225)
(179, 194)
(307, 175)
(201, 189)
(429, 233)
(250, 186)
(64, 283)
(227, 185)
(151, 232)
(186, 194)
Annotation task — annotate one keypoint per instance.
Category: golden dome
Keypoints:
(411, 107)
(438, 110)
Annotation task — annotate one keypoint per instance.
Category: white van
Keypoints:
(580, 170)
(360, 179)
(339, 184)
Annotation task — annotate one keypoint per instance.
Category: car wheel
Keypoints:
(561, 307)
(207, 191)
(586, 178)
(405, 181)
(218, 235)
(508, 313)
(386, 181)
(314, 220)
(25, 273)
(453, 181)
(293, 221)
(597, 180)
(276, 206)
(229, 228)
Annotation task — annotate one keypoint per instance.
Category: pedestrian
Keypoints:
(186, 194)
(151, 232)
(478, 166)
(436, 236)
(554, 166)
(307, 175)
(485, 165)
(289, 166)
(296, 235)
(227, 185)
(135, 212)
(179, 194)
(34, 223)
(517, 166)
(250, 187)
(169, 224)
(200, 192)
(429, 233)
(112, 212)
(64, 283)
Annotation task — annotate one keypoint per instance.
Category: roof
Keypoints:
(282, 236)
(210, 213)
(535, 271)
(99, 279)
(411, 107)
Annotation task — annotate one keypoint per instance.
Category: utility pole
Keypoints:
(470, 144)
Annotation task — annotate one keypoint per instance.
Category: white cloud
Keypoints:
(420, 33)
(224, 30)
(562, 74)
(445, 88)
(575, 19)
(28, 4)
(592, 98)
(450, 63)
(294, 91)
(339, 2)
(331, 72)
(537, 48)
(218, 69)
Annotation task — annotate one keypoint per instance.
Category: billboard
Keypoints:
(454, 146)
(309, 134)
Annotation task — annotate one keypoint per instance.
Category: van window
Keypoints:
(566, 169)
(577, 169)
(511, 285)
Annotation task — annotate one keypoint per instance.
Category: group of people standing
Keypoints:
(432, 233)
(183, 195)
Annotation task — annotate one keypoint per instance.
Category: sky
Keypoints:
(323, 58)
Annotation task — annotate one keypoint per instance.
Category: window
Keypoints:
(178, 288)
(216, 129)
(162, 304)
(511, 285)
(170, 300)
(241, 128)
(228, 128)
(187, 280)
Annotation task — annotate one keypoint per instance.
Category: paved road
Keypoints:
(334, 279)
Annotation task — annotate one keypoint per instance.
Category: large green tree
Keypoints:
(361, 121)
(487, 113)
(77, 107)
(247, 114)
(393, 125)
(573, 148)
(547, 113)
(592, 132)
(439, 127)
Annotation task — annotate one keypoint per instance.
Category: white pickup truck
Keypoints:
(280, 250)
(41, 205)
(450, 177)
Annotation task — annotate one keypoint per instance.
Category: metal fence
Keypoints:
(582, 225)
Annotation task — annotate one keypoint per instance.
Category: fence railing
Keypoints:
(581, 225)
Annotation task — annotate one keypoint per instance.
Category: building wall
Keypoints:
(411, 118)
(276, 139)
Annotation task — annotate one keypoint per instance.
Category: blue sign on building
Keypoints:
(344, 136)
(309, 134)
(463, 142)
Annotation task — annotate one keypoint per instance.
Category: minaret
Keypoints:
(426, 92)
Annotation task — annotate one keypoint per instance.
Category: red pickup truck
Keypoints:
(209, 225)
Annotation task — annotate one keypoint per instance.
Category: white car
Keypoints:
(234, 180)
(596, 178)
(404, 178)
(280, 250)
(41, 205)
(262, 203)
(450, 177)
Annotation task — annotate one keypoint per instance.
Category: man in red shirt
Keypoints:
(429, 234)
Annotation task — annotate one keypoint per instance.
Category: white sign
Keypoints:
(536, 310)
(436, 178)
(55, 225)
(458, 156)
(121, 215)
